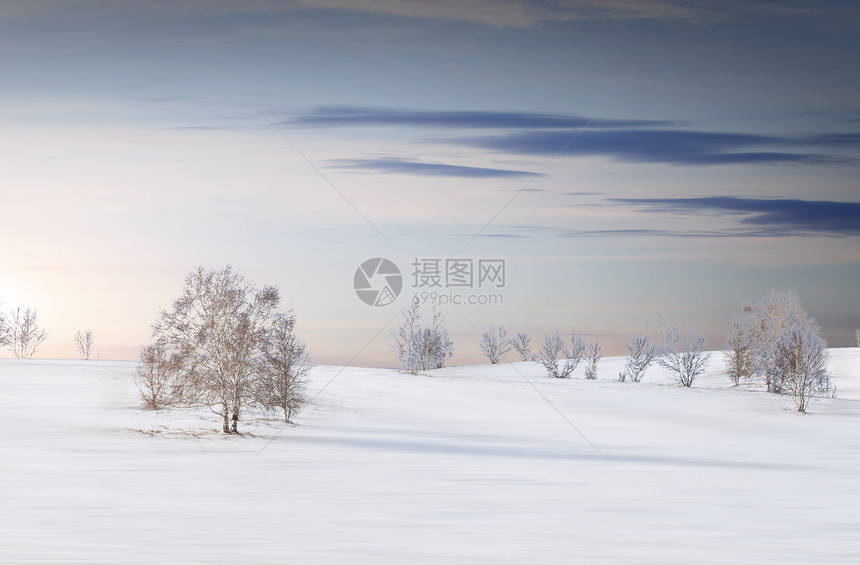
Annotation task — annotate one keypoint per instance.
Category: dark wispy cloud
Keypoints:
(681, 147)
(776, 217)
(353, 116)
(830, 139)
(427, 169)
(629, 140)
(523, 232)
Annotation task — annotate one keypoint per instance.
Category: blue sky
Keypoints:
(622, 157)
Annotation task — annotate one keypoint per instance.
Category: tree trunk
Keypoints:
(226, 427)
(235, 426)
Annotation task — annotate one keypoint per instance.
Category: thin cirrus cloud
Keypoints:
(526, 231)
(346, 116)
(407, 166)
(628, 140)
(769, 216)
(507, 14)
(678, 147)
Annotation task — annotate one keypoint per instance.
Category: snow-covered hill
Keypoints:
(479, 464)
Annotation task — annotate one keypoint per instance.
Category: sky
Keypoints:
(617, 157)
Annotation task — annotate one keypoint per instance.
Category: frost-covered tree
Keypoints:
(763, 322)
(801, 361)
(592, 357)
(740, 357)
(522, 343)
(642, 353)
(218, 327)
(576, 352)
(25, 333)
(286, 364)
(857, 338)
(683, 356)
(421, 348)
(554, 349)
(85, 344)
(434, 345)
(405, 335)
(495, 344)
(157, 376)
(551, 350)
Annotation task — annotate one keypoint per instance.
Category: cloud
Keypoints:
(773, 217)
(830, 139)
(532, 13)
(494, 13)
(497, 13)
(629, 140)
(344, 116)
(680, 147)
(523, 232)
(405, 166)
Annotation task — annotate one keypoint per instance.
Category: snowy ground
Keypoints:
(469, 465)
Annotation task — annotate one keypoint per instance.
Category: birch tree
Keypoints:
(85, 344)
(218, 327)
(522, 343)
(286, 364)
(642, 353)
(801, 360)
(495, 344)
(592, 357)
(25, 333)
(157, 377)
(740, 357)
(5, 331)
(762, 323)
(683, 356)
(557, 358)
(419, 347)
(405, 337)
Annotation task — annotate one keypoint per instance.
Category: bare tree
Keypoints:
(286, 364)
(443, 348)
(856, 338)
(685, 360)
(577, 349)
(495, 344)
(25, 332)
(85, 344)
(522, 343)
(5, 331)
(801, 360)
(740, 358)
(405, 337)
(218, 327)
(157, 376)
(433, 346)
(553, 349)
(592, 356)
(421, 348)
(763, 322)
(643, 351)
(549, 353)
